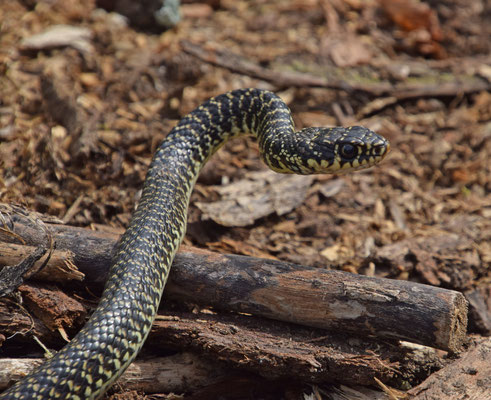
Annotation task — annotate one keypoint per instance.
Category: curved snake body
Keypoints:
(111, 339)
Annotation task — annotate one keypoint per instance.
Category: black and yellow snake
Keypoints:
(108, 343)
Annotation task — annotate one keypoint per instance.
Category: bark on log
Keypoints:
(45, 313)
(332, 300)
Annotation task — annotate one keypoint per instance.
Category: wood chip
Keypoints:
(60, 36)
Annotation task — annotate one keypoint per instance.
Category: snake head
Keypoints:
(339, 150)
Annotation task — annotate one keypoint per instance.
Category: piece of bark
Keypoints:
(469, 377)
(59, 36)
(61, 104)
(308, 296)
(434, 258)
(59, 267)
(45, 312)
(13, 274)
(16, 321)
(177, 373)
(53, 307)
(90, 250)
(257, 195)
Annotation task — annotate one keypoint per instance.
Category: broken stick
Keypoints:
(403, 91)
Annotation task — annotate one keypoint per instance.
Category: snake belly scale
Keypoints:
(116, 331)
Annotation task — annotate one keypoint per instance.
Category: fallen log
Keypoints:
(333, 300)
(177, 373)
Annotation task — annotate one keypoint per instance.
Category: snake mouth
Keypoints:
(379, 152)
(378, 149)
(369, 156)
(386, 150)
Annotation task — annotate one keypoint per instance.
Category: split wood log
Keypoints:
(333, 300)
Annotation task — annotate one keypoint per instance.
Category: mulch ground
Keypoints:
(81, 116)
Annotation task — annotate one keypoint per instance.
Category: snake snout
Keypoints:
(380, 148)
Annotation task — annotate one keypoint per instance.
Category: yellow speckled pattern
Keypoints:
(111, 339)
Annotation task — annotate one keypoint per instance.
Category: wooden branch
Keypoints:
(59, 267)
(404, 91)
(469, 377)
(314, 297)
(90, 251)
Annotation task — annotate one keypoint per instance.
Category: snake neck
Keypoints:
(159, 222)
(246, 111)
(179, 159)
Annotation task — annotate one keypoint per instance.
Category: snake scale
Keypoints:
(116, 331)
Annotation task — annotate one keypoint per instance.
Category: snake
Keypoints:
(114, 334)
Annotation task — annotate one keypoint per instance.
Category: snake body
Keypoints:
(116, 331)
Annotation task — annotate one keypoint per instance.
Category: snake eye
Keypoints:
(348, 151)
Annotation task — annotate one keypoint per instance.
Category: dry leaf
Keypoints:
(258, 195)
